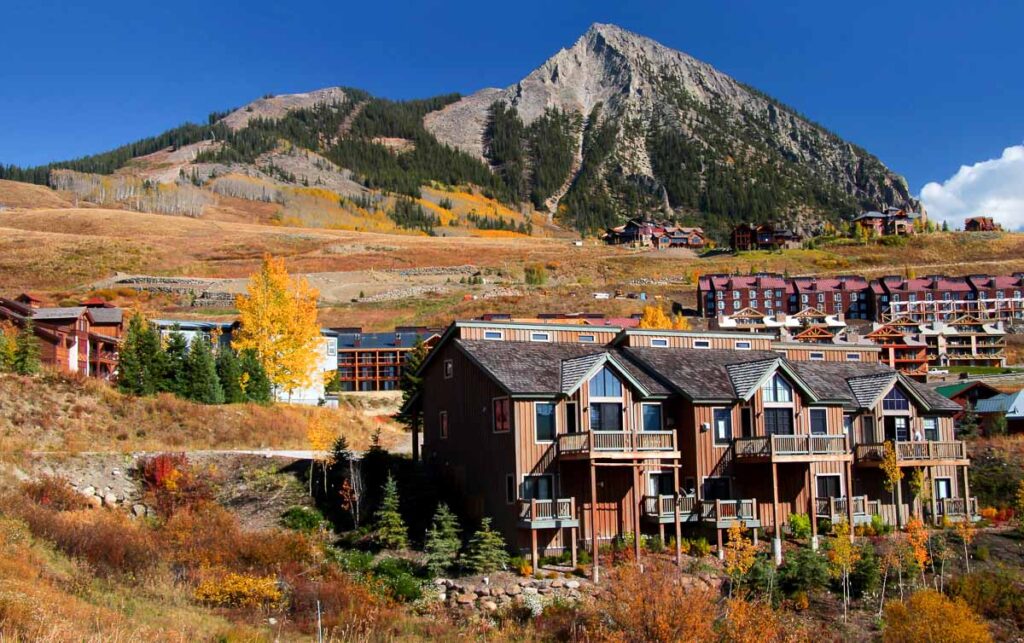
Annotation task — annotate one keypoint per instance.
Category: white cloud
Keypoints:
(992, 188)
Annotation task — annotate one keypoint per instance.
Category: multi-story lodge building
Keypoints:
(765, 236)
(893, 221)
(374, 361)
(845, 295)
(73, 339)
(728, 294)
(568, 435)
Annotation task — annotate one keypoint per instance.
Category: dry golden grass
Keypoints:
(26, 195)
(56, 413)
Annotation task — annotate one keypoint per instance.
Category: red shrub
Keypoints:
(172, 483)
(109, 541)
(347, 606)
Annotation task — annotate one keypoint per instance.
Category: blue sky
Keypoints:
(927, 86)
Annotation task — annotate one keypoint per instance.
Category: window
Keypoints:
(853, 357)
(605, 416)
(778, 421)
(848, 425)
(651, 415)
(829, 486)
(449, 369)
(538, 487)
(752, 294)
(605, 384)
(931, 429)
(943, 488)
(510, 488)
(837, 297)
(736, 305)
(746, 423)
(502, 419)
(895, 400)
(819, 422)
(544, 424)
(701, 343)
(897, 428)
(587, 339)
(660, 483)
(493, 334)
(743, 346)
(722, 426)
(867, 427)
(821, 297)
(777, 390)
(804, 298)
(817, 356)
(540, 337)
(721, 294)
(659, 342)
(735, 294)
(442, 424)
(571, 417)
(717, 488)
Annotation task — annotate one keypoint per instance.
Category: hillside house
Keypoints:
(72, 339)
(966, 394)
(893, 221)
(569, 436)
(1007, 405)
(981, 224)
(966, 341)
(765, 236)
(369, 362)
(656, 234)
(845, 295)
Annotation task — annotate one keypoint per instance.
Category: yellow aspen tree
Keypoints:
(655, 317)
(278, 322)
(680, 323)
(321, 437)
(842, 556)
(739, 554)
(917, 539)
(966, 531)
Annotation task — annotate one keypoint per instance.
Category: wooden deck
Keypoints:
(792, 448)
(914, 454)
(835, 509)
(721, 513)
(621, 445)
(548, 514)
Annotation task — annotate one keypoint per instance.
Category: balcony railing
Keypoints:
(964, 507)
(914, 451)
(835, 508)
(557, 510)
(771, 446)
(663, 508)
(606, 442)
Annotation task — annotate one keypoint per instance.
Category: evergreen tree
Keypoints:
(391, 532)
(254, 380)
(140, 360)
(486, 551)
(201, 379)
(26, 351)
(229, 372)
(411, 383)
(968, 427)
(442, 542)
(173, 378)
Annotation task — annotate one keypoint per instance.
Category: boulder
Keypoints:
(465, 599)
(139, 510)
(94, 501)
(529, 590)
(490, 606)
(110, 500)
(89, 491)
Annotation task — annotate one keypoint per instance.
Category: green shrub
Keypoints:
(398, 576)
(302, 519)
(351, 560)
(654, 544)
(583, 557)
(866, 573)
(802, 571)
(982, 553)
(879, 526)
(800, 524)
(700, 547)
(535, 274)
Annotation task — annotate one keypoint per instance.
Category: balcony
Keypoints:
(722, 513)
(548, 514)
(791, 448)
(910, 454)
(956, 509)
(618, 444)
(835, 509)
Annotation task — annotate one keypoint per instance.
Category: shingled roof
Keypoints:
(540, 367)
(702, 374)
(860, 384)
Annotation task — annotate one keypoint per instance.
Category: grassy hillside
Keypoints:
(57, 413)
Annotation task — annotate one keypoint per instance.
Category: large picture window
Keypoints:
(895, 400)
(778, 421)
(777, 390)
(544, 424)
(538, 487)
(605, 384)
(931, 429)
(605, 416)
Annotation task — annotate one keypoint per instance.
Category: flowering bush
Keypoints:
(239, 590)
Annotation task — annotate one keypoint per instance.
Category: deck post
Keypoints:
(661, 525)
(777, 529)
(572, 533)
(753, 534)
(534, 559)
(636, 510)
(675, 511)
(812, 486)
(899, 504)
(718, 538)
(931, 482)
(849, 498)
(594, 549)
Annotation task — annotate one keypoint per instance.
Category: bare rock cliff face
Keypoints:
(641, 84)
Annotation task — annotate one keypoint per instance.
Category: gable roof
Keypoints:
(1012, 404)
(550, 368)
(952, 390)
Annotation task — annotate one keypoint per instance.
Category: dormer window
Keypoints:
(817, 356)
(777, 390)
(659, 342)
(587, 339)
(493, 334)
(540, 337)
(701, 343)
(895, 400)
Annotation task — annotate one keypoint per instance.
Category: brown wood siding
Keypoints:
(601, 335)
(687, 341)
(829, 353)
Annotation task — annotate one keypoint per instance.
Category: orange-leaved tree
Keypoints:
(739, 554)
(655, 317)
(278, 315)
(917, 540)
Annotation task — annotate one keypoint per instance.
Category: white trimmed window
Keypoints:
(493, 334)
(544, 421)
(449, 369)
(743, 346)
(659, 342)
(540, 337)
(587, 339)
(701, 343)
(853, 357)
(817, 356)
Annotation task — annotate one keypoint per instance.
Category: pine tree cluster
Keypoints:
(191, 370)
(19, 351)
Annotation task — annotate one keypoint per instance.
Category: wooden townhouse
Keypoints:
(764, 236)
(981, 224)
(568, 435)
(967, 341)
(73, 339)
(894, 221)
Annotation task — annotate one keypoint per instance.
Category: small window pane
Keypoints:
(819, 422)
(652, 417)
(723, 426)
(545, 424)
(931, 429)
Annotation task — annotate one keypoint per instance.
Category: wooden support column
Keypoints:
(849, 497)
(812, 486)
(718, 541)
(636, 509)
(661, 525)
(777, 529)
(899, 504)
(594, 549)
(534, 559)
(967, 496)
(675, 511)
(572, 532)
(931, 482)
